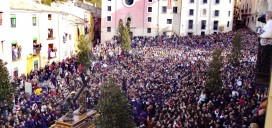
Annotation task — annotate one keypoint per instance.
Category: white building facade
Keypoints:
(5, 46)
(33, 25)
(154, 17)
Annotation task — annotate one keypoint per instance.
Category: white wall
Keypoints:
(224, 7)
(5, 49)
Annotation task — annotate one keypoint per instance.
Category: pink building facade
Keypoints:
(154, 17)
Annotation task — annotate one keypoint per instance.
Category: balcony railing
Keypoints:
(16, 55)
(36, 50)
(52, 53)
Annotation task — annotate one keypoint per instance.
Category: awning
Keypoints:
(15, 69)
(35, 38)
(14, 42)
(36, 62)
(12, 16)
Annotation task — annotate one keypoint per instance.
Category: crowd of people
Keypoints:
(163, 77)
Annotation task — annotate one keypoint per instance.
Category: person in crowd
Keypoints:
(163, 77)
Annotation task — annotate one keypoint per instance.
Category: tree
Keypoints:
(214, 77)
(91, 34)
(113, 108)
(124, 36)
(6, 89)
(128, 25)
(47, 2)
(84, 53)
(234, 56)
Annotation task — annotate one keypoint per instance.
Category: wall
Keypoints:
(139, 14)
(5, 46)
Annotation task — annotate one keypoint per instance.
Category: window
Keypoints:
(229, 14)
(150, 1)
(149, 19)
(202, 33)
(204, 11)
(228, 24)
(229, 1)
(190, 33)
(108, 18)
(129, 2)
(129, 20)
(203, 24)
(36, 65)
(215, 25)
(169, 21)
(216, 13)
(217, 1)
(109, 0)
(108, 29)
(109, 8)
(205, 1)
(34, 20)
(149, 9)
(52, 51)
(1, 18)
(49, 16)
(175, 9)
(148, 30)
(190, 25)
(50, 33)
(192, 1)
(191, 12)
(13, 21)
(214, 32)
(252, 18)
(164, 9)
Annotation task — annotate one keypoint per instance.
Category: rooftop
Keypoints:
(32, 6)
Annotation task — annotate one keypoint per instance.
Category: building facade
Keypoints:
(5, 46)
(40, 34)
(248, 13)
(154, 17)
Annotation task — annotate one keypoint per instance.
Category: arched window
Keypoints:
(129, 19)
(129, 2)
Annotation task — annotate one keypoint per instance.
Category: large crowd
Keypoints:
(164, 79)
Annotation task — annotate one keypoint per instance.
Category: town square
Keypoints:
(135, 63)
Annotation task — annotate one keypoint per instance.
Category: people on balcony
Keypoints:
(266, 36)
(36, 48)
(50, 50)
(16, 52)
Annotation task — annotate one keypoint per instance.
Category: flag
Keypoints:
(169, 4)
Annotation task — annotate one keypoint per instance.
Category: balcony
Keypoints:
(52, 53)
(16, 53)
(36, 49)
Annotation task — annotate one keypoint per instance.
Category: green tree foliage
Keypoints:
(124, 36)
(113, 108)
(128, 25)
(98, 3)
(84, 53)
(91, 34)
(47, 2)
(214, 77)
(6, 89)
(234, 56)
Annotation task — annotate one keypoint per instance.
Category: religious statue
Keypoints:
(82, 102)
(69, 116)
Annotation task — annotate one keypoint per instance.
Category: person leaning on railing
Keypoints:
(266, 36)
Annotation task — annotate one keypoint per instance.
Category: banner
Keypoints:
(28, 88)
